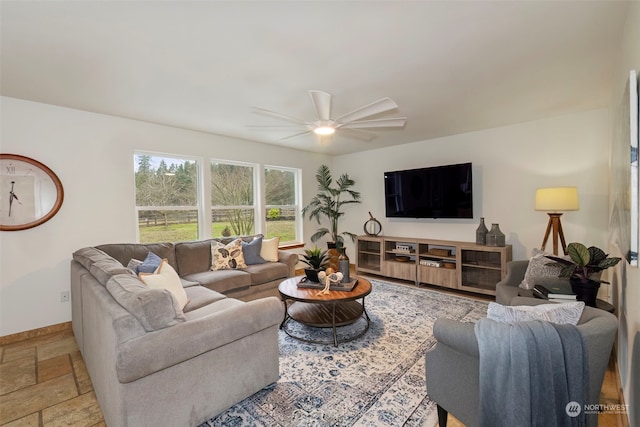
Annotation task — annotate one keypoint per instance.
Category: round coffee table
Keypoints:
(332, 310)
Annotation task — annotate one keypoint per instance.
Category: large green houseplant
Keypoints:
(583, 268)
(329, 203)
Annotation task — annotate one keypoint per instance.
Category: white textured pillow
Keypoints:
(165, 277)
(538, 268)
(227, 257)
(269, 250)
(562, 313)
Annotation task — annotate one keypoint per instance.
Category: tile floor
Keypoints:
(44, 382)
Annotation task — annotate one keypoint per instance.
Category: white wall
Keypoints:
(93, 156)
(509, 163)
(626, 280)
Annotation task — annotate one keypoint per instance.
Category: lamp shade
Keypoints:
(556, 199)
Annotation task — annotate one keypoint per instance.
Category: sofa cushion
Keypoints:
(154, 308)
(251, 251)
(560, 313)
(269, 250)
(263, 273)
(199, 296)
(193, 257)
(165, 277)
(229, 256)
(222, 281)
(538, 267)
(125, 252)
(100, 264)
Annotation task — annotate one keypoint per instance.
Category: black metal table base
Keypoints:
(341, 314)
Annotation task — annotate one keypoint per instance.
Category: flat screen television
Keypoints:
(433, 192)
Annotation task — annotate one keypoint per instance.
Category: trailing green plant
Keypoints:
(584, 263)
(315, 258)
(329, 203)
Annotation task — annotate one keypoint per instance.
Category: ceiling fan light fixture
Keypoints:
(324, 130)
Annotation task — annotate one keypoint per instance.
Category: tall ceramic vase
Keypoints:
(481, 233)
(343, 264)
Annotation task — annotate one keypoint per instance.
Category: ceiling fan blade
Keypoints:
(377, 107)
(295, 135)
(279, 116)
(322, 103)
(275, 127)
(393, 122)
(360, 134)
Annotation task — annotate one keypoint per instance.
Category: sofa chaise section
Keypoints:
(154, 364)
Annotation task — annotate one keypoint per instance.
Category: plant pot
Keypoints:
(312, 274)
(585, 291)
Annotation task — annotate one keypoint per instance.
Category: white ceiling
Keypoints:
(451, 66)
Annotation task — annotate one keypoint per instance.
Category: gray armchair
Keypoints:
(452, 365)
(508, 288)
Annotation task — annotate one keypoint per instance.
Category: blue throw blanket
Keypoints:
(530, 372)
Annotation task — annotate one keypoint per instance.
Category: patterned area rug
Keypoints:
(375, 380)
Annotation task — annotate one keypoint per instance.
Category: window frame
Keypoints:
(199, 191)
(297, 189)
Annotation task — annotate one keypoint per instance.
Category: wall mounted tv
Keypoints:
(433, 192)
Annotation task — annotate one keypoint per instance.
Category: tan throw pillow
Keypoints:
(227, 257)
(165, 277)
(269, 250)
(538, 267)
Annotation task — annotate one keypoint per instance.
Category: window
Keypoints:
(233, 207)
(281, 204)
(166, 198)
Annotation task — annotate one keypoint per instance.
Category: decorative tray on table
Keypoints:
(344, 287)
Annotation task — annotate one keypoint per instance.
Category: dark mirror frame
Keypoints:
(59, 196)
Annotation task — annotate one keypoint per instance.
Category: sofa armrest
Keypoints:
(515, 273)
(459, 336)
(290, 259)
(164, 348)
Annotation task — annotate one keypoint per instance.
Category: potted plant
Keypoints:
(583, 268)
(329, 203)
(317, 260)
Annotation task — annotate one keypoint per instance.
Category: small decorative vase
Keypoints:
(343, 265)
(586, 292)
(495, 237)
(481, 233)
(333, 253)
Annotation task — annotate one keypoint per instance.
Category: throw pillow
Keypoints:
(166, 277)
(251, 251)
(538, 268)
(150, 264)
(562, 313)
(269, 249)
(227, 257)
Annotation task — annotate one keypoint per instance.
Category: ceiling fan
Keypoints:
(352, 123)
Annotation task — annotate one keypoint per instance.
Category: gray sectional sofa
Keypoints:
(152, 362)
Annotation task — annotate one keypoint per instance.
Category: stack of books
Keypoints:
(554, 293)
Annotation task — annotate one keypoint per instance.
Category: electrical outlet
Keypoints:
(64, 296)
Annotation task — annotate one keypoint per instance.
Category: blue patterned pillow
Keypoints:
(251, 251)
(150, 264)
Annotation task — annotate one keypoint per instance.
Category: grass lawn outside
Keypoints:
(189, 231)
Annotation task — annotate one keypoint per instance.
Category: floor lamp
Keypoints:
(555, 200)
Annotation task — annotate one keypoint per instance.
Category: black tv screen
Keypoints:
(434, 192)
